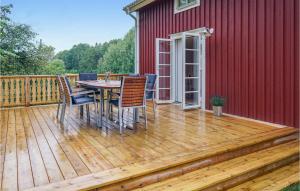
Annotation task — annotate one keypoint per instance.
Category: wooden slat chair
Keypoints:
(79, 98)
(132, 96)
(61, 95)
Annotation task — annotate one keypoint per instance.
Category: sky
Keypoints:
(64, 23)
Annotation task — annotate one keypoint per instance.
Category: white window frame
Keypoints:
(187, 7)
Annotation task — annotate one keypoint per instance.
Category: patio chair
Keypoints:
(133, 75)
(61, 92)
(150, 90)
(132, 96)
(87, 76)
(61, 95)
(79, 98)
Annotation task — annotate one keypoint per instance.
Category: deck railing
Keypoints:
(34, 90)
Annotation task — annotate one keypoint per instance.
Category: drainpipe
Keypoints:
(136, 25)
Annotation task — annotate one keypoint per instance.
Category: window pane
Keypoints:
(164, 94)
(164, 58)
(164, 71)
(191, 1)
(191, 70)
(191, 85)
(191, 56)
(182, 3)
(164, 82)
(192, 42)
(164, 46)
(191, 99)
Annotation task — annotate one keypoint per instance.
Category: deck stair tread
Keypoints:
(275, 180)
(119, 174)
(212, 175)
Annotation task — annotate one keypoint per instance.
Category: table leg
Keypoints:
(101, 107)
(81, 111)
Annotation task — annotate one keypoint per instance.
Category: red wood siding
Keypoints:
(252, 58)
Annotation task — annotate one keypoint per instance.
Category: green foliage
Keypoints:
(293, 187)
(119, 57)
(55, 67)
(20, 53)
(116, 56)
(217, 101)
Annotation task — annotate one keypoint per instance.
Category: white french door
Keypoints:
(192, 73)
(164, 71)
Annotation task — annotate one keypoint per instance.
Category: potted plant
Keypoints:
(217, 103)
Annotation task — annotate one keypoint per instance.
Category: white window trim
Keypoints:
(178, 10)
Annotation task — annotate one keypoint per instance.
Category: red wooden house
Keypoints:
(244, 50)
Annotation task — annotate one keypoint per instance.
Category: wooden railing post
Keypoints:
(27, 91)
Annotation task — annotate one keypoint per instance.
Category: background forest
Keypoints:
(21, 53)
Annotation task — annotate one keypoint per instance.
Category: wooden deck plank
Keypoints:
(3, 137)
(52, 168)
(86, 151)
(25, 179)
(39, 172)
(64, 142)
(60, 157)
(10, 171)
(275, 180)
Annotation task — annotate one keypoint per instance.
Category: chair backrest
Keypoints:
(60, 86)
(133, 75)
(151, 80)
(133, 92)
(87, 76)
(66, 88)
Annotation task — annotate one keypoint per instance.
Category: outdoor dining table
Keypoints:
(101, 86)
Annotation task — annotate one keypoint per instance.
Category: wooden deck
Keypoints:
(36, 150)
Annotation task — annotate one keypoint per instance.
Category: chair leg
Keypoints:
(69, 114)
(58, 107)
(123, 118)
(111, 112)
(63, 113)
(153, 107)
(120, 123)
(145, 116)
(96, 112)
(81, 111)
(88, 116)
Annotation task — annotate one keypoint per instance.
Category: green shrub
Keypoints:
(217, 101)
(292, 187)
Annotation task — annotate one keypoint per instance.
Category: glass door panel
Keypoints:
(163, 70)
(191, 53)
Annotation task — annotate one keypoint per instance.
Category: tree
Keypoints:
(19, 50)
(55, 67)
(119, 57)
(84, 57)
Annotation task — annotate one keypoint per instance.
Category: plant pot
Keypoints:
(217, 110)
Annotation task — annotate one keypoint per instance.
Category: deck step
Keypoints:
(232, 172)
(149, 172)
(275, 181)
